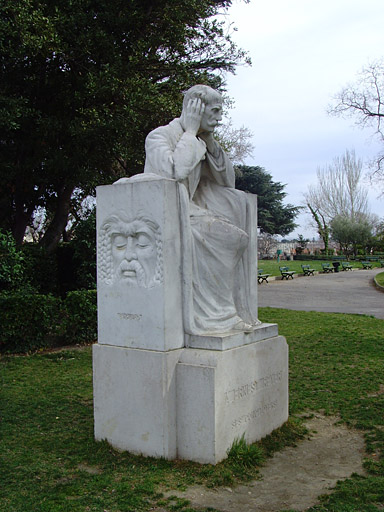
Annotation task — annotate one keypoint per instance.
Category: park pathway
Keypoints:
(343, 292)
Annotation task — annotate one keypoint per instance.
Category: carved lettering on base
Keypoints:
(250, 388)
(253, 415)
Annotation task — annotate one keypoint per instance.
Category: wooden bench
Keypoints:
(308, 271)
(262, 277)
(381, 263)
(286, 273)
(366, 264)
(346, 266)
(327, 268)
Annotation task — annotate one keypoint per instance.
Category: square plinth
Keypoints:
(222, 395)
(135, 399)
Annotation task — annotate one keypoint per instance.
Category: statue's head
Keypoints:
(213, 102)
(204, 92)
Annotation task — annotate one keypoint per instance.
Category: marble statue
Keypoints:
(182, 366)
(218, 222)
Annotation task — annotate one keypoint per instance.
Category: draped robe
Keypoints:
(219, 231)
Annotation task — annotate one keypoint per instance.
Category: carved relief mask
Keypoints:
(134, 254)
(130, 252)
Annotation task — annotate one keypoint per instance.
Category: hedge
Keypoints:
(30, 322)
(80, 317)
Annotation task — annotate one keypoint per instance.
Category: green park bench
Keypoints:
(261, 277)
(308, 271)
(286, 273)
(366, 264)
(346, 266)
(381, 263)
(327, 268)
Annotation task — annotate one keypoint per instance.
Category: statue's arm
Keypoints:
(189, 152)
(159, 155)
(171, 160)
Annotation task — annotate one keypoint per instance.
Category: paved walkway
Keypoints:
(343, 292)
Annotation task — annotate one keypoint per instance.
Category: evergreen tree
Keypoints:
(273, 216)
(82, 82)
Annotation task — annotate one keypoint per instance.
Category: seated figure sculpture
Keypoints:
(218, 222)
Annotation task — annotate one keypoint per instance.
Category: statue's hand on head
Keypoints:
(192, 114)
(209, 140)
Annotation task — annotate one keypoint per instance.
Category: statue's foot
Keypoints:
(243, 326)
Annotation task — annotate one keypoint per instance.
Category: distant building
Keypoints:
(289, 249)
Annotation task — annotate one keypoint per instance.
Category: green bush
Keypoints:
(64, 270)
(84, 252)
(80, 317)
(12, 264)
(28, 321)
(309, 257)
(41, 268)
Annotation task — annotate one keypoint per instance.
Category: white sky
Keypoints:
(303, 52)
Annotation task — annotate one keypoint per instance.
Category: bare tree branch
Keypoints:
(338, 190)
(363, 100)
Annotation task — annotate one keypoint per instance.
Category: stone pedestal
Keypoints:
(135, 399)
(222, 395)
(158, 391)
(138, 220)
(190, 403)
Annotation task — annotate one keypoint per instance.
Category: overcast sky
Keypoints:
(303, 52)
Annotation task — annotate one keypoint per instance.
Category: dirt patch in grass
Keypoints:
(295, 477)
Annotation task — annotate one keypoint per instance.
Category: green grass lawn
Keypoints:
(380, 279)
(50, 461)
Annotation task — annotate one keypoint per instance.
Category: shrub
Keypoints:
(84, 252)
(80, 317)
(41, 268)
(12, 264)
(28, 321)
(66, 268)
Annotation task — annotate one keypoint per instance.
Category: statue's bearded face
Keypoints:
(211, 117)
(134, 254)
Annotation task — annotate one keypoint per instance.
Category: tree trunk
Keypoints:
(19, 226)
(56, 228)
(23, 214)
(322, 228)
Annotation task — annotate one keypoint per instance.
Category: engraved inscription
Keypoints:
(270, 380)
(256, 385)
(129, 316)
(130, 251)
(253, 415)
(241, 392)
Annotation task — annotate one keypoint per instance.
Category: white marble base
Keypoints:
(190, 403)
(231, 340)
(135, 399)
(143, 315)
(222, 395)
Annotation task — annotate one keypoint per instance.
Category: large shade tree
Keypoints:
(274, 217)
(82, 82)
(351, 233)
